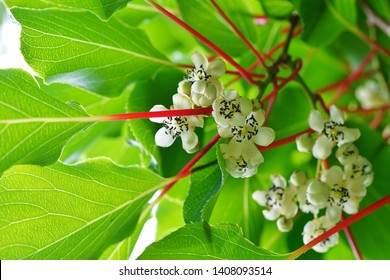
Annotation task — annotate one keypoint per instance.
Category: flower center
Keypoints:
(274, 196)
(360, 170)
(228, 108)
(338, 196)
(317, 232)
(246, 131)
(242, 165)
(175, 126)
(332, 132)
(197, 74)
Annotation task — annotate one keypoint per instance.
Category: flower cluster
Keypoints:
(372, 95)
(238, 119)
(334, 190)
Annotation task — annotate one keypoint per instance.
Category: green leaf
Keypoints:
(102, 8)
(277, 8)
(202, 16)
(86, 52)
(201, 241)
(204, 188)
(31, 142)
(70, 211)
(347, 8)
(319, 25)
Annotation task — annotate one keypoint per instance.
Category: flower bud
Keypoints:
(305, 143)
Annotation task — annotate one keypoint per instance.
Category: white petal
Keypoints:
(334, 176)
(298, 178)
(271, 214)
(278, 180)
(260, 197)
(265, 136)
(158, 108)
(189, 140)
(318, 193)
(199, 86)
(305, 143)
(184, 87)
(284, 225)
(246, 107)
(289, 209)
(181, 101)
(216, 68)
(322, 147)
(336, 114)
(225, 131)
(163, 139)
(316, 121)
(235, 148)
(199, 59)
(347, 154)
(230, 94)
(350, 135)
(333, 214)
(251, 154)
(352, 206)
(195, 121)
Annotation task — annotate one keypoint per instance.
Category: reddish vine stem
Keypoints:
(288, 79)
(343, 224)
(377, 119)
(160, 114)
(206, 41)
(339, 83)
(239, 34)
(345, 85)
(352, 242)
(250, 68)
(191, 163)
(284, 141)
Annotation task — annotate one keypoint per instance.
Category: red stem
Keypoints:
(159, 114)
(239, 34)
(191, 163)
(338, 83)
(284, 141)
(288, 79)
(353, 77)
(352, 242)
(343, 224)
(206, 41)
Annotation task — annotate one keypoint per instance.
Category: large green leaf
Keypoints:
(202, 16)
(277, 8)
(79, 49)
(200, 241)
(102, 8)
(70, 211)
(32, 142)
(204, 188)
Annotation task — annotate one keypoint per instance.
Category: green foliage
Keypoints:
(23, 140)
(81, 190)
(90, 205)
(201, 241)
(84, 51)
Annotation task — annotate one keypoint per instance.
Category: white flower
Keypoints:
(372, 95)
(360, 170)
(305, 143)
(284, 224)
(344, 195)
(204, 79)
(317, 227)
(347, 154)
(300, 181)
(317, 193)
(241, 161)
(231, 107)
(174, 127)
(332, 132)
(279, 198)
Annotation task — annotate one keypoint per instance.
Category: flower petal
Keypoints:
(334, 176)
(278, 180)
(272, 214)
(251, 154)
(350, 135)
(260, 197)
(284, 225)
(333, 214)
(265, 136)
(336, 115)
(216, 68)
(163, 139)
(246, 106)
(235, 148)
(184, 87)
(317, 193)
(199, 59)
(305, 143)
(158, 108)
(316, 121)
(181, 101)
(189, 140)
(322, 147)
